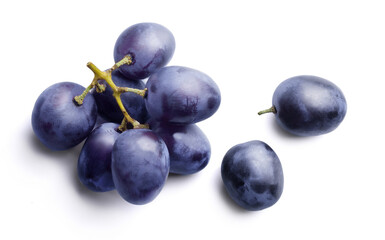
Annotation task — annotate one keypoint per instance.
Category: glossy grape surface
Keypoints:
(252, 175)
(132, 102)
(140, 165)
(309, 105)
(151, 46)
(94, 164)
(57, 121)
(187, 145)
(181, 95)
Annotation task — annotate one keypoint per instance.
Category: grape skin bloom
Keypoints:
(181, 95)
(151, 46)
(187, 145)
(309, 105)
(57, 121)
(94, 163)
(140, 165)
(252, 175)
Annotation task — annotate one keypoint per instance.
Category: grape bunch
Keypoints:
(150, 129)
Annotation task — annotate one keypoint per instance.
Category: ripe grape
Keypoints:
(133, 103)
(57, 121)
(252, 175)
(94, 164)
(181, 95)
(187, 145)
(140, 165)
(151, 46)
(309, 105)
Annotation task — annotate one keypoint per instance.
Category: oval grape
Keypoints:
(187, 145)
(309, 105)
(252, 175)
(140, 165)
(94, 164)
(150, 45)
(181, 95)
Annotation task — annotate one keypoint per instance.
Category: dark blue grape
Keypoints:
(150, 45)
(252, 175)
(140, 165)
(187, 145)
(181, 95)
(309, 105)
(57, 121)
(132, 102)
(94, 164)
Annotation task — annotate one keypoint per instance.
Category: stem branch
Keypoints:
(126, 60)
(117, 91)
(79, 99)
(269, 110)
(141, 92)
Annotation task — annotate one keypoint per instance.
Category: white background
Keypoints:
(334, 184)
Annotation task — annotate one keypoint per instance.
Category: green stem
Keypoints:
(124, 125)
(269, 110)
(126, 60)
(141, 92)
(100, 87)
(117, 91)
(79, 99)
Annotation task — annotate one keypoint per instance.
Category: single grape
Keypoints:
(151, 46)
(309, 105)
(94, 164)
(140, 165)
(181, 95)
(57, 121)
(252, 175)
(187, 145)
(132, 102)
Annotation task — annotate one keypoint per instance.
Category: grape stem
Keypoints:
(269, 110)
(79, 99)
(117, 91)
(126, 60)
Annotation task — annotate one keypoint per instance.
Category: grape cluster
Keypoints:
(150, 129)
